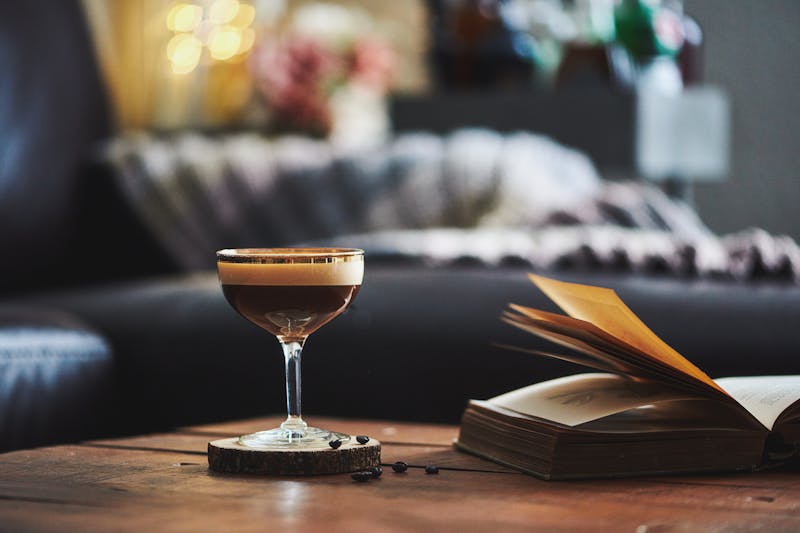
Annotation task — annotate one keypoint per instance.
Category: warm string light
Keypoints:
(223, 27)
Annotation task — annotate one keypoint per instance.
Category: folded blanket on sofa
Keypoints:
(198, 193)
(748, 255)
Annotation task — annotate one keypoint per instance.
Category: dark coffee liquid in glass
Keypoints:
(290, 312)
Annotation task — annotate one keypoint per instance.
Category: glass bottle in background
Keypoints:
(652, 32)
(476, 43)
(690, 58)
(588, 60)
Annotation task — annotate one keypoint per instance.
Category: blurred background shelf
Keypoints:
(600, 121)
(676, 139)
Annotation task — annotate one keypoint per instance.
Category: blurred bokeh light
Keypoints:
(223, 28)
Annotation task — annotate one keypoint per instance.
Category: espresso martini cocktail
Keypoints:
(291, 293)
(290, 296)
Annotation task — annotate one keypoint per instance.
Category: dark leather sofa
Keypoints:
(100, 335)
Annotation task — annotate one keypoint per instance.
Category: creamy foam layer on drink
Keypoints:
(336, 273)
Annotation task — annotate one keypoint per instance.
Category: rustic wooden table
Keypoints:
(162, 483)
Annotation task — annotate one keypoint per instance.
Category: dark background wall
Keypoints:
(753, 50)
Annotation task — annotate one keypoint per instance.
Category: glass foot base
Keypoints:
(284, 438)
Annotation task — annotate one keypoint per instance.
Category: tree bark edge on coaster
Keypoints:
(227, 455)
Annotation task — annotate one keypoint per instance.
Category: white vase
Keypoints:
(360, 117)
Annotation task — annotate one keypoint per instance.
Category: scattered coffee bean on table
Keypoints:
(362, 439)
(376, 471)
(431, 469)
(366, 475)
(400, 467)
(335, 443)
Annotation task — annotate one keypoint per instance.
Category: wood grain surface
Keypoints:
(162, 483)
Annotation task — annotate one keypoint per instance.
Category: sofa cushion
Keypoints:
(52, 111)
(417, 342)
(198, 192)
(55, 378)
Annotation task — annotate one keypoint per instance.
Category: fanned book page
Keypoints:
(603, 308)
(597, 349)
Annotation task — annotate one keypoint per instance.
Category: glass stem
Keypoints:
(294, 423)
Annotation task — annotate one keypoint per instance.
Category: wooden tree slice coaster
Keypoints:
(227, 455)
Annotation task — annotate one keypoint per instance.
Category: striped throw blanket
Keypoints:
(474, 194)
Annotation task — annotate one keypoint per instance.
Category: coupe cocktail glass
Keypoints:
(291, 292)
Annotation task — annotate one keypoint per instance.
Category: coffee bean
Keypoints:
(365, 475)
(400, 467)
(362, 439)
(431, 469)
(376, 471)
(335, 443)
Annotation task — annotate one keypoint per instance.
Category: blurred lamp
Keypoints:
(683, 137)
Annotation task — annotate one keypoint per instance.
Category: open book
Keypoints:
(649, 410)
